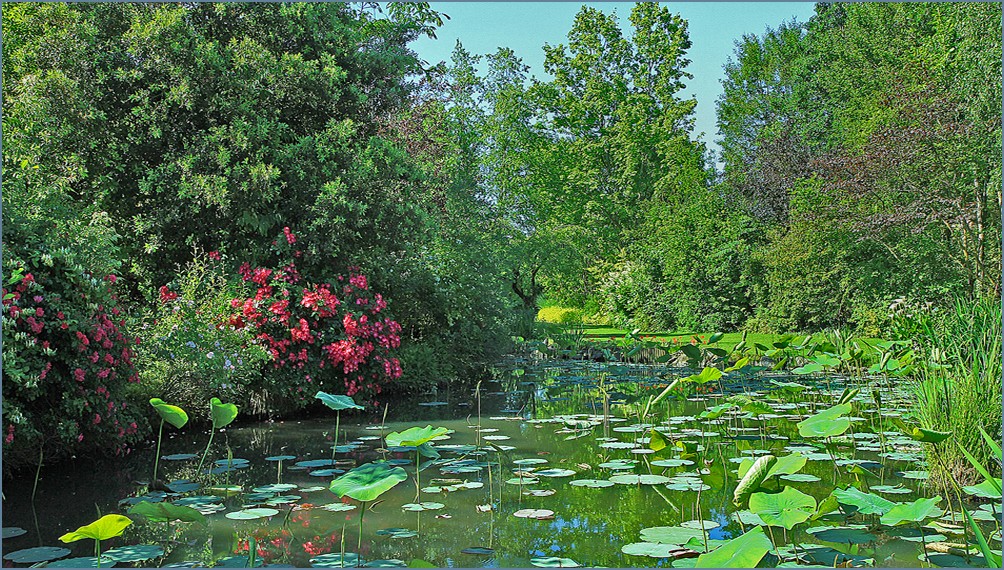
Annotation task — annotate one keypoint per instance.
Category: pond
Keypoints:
(551, 465)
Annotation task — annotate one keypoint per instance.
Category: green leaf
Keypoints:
(787, 465)
(827, 423)
(929, 435)
(751, 481)
(916, 511)
(368, 481)
(867, 503)
(785, 509)
(707, 375)
(715, 337)
(106, 527)
(165, 512)
(691, 351)
(656, 441)
(337, 402)
(415, 436)
(989, 489)
(993, 559)
(170, 414)
(222, 413)
(745, 551)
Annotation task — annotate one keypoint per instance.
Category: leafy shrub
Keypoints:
(560, 315)
(192, 353)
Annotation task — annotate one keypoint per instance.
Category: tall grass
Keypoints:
(963, 392)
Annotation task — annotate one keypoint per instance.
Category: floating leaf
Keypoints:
(12, 531)
(134, 553)
(670, 534)
(37, 554)
(553, 562)
(83, 562)
(592, 483)
(539, 514)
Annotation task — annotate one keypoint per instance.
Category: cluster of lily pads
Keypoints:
(816, 473)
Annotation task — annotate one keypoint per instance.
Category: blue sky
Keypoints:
(525, 27)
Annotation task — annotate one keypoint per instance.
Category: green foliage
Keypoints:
(560, 315)
(193, 353)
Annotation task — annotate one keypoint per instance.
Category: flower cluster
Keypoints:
(67, 344)
(319, 332)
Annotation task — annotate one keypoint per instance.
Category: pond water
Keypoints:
(558, 443)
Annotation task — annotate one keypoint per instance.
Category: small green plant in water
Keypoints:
(365, 483)
(106, 527)
(337, 403)
(173, 415)
(222, 415)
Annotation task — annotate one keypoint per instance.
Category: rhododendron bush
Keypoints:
(66, 362)
(333, 336)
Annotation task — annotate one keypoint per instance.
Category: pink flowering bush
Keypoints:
(67, 361)
(331, 336)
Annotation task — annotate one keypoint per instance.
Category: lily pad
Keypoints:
(670, 534)
(784, 509)
(338, 507)
(37, 554)
(134, 553)
(82, 562)
(633, 479)
(538, 514)
(337, 402)
(553, 562)
(916, 511)
(425, 506)
(12, 531)
(554, 473)
(252, 514)
(866, 503)
(369, 481)
(652, 549)
(335, 560)
(397, 532)
(592, 483)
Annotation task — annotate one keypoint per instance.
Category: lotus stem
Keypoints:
(156, 459)
(334, 448)
(359, 543)
(212, 432)
(38, 471)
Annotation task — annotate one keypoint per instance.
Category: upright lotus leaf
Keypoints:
(656, 441)
(915, 512)
(786, 509)
(867, 503)
(223, 414)
(368, 481)
(745, 551)
(828, 423)
(108, 526)
(170, 414)
(929, 435)
(707, 375)
(415, 436)
(787, 465)
(338, 402)
(166, 512)
(753, 478)
(826, 506)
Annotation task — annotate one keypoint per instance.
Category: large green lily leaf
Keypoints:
(707, 375)
(827, 423)
(787, 465)
(929, 435)
(223, 414)
(916, 511)
(787, 508)
(867, 503)
(745, 551)
(108, 526)
(165, 512)
(170, 414)
(753, 478)
(367, 482)
(338, 402)
(415, 436)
